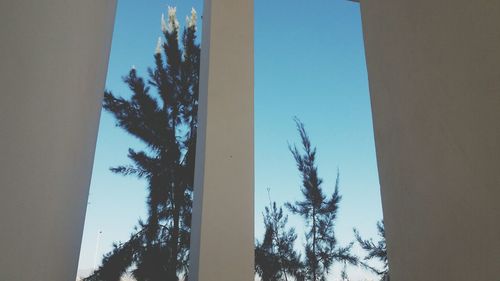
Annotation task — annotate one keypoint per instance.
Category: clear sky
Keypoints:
(309, 63)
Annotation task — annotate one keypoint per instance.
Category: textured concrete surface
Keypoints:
(222, 234)
(54, 56)
(434, 72)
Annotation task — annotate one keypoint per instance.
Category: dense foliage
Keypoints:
(275, 257)
(319, 212)
(165, 120)
(162, 113)
(375, 251)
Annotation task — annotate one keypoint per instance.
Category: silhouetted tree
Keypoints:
(165, 120)
(319, 212)
(275, 257)
(343, 274)
(376, 251)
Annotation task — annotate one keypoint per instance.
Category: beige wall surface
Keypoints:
(434, 72)
(222, 234)
(54, 55)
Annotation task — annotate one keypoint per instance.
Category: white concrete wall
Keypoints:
(53, 60)
(434, 72)
(222, 234)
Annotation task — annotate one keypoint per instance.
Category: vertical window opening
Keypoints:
(138, 219)
(318, 212)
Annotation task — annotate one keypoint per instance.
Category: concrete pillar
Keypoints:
(222, 234)
(54, 55)
(434, 72)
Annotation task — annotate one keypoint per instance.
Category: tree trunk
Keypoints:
(175, 242)
(314, 265)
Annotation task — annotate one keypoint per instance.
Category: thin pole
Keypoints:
(98, 240)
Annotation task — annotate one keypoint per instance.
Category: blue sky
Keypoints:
(309, 63)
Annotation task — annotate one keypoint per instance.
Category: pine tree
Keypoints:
(165, 120)
(319, 212)
(275, 257)
(343, 274)
(377, 251)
